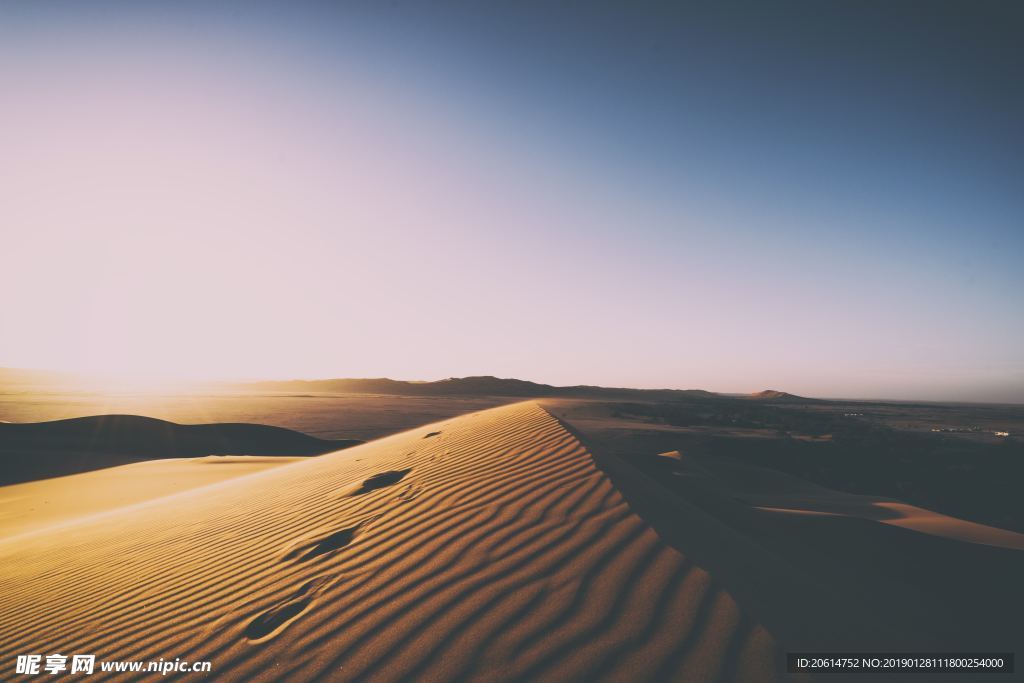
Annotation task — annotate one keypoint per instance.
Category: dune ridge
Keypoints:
(486, 547)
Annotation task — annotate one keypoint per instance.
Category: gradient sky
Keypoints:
(819, 197)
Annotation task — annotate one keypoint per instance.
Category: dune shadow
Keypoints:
(822, 582)
(40, 450)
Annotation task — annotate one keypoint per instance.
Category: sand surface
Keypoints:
(502, 545)
(39, 504)
(823, 570)
(488, 547)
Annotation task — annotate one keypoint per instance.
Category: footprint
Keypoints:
(328, 543)
(274, 620)
(431, 434)
(381, 480)
(277, 618)
(409, 492)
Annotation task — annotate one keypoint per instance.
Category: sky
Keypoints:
(819, 197)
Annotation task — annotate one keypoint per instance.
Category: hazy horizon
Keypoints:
(114, 384)
(642, 196)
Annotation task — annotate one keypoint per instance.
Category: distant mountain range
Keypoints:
(467, 386)
(482, 385)
(780, 396)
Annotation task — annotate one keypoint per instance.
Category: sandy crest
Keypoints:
(487, 547)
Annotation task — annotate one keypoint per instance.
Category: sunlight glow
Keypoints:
(191, 195)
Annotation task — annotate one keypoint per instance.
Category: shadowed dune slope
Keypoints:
(37, 450)
(488, 547)
(824, 571)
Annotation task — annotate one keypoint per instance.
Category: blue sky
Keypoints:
(818, 197)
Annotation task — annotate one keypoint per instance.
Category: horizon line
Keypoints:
(129, 378)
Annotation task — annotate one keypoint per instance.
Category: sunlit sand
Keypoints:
(501, 545)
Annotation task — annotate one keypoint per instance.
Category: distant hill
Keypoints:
(485, 385)
(480, 385)
(780, 396)
(44, 449)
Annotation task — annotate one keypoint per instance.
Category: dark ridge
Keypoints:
(480, 385)
(780, 396)
(49, 449)
(465, 386)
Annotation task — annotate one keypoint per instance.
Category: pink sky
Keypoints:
(224, 211)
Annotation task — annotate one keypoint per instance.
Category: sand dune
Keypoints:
(833, 572)
(36, 450)
(772, 491)
(488, 547)
(39, 504)
(506, 545)
(897, 514)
